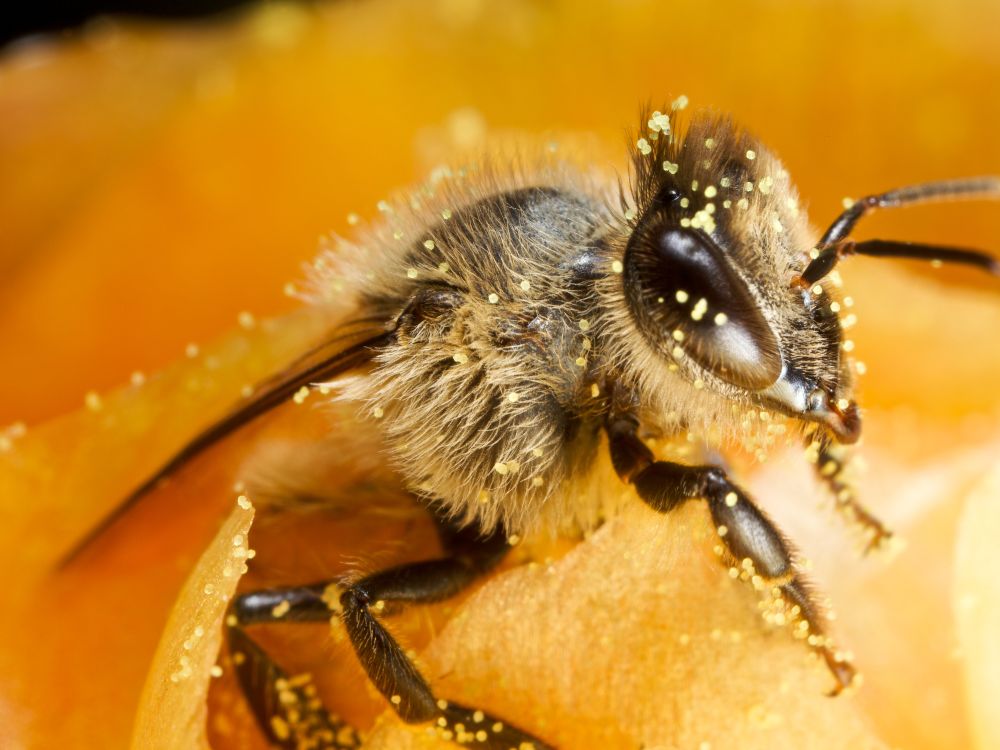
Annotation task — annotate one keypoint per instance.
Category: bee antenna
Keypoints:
(834, 244)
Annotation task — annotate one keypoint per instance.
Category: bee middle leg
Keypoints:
(468, 555)
(755, 548)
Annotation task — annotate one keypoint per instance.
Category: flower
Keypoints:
(215, 154)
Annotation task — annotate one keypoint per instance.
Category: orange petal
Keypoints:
(172, 710)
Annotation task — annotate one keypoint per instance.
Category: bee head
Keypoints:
(706, 273)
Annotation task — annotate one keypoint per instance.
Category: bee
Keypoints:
(513, 321)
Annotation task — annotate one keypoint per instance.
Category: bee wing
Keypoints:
(345, 349)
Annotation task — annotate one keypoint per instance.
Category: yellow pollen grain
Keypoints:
(396, 700)
(280, 728)
(581, 362)
(501, 468)
(398, 234)
(710, 191)
(722, 530)
(446, 214)
(700, 308)
(429, 244)
(280, 610)
(679, 103)
(595, 390)
(411, 273)
(742, 203)
(685, 202)
(721, 319)
(748, 186)
(677, 352)
(843, 403)
(616, 266)
(525, 285)
(243, 502)
(444, 267)
(378, 412)
(493, 298)
(353, 219)
(731, 499)
(698, 384)
(513, 396)
(694, 185)
(584, 325)
(670, 167)
(846, 202)
(92, 400)
(301, 394)
(460, 357)
(681, 296)
(751, 154)
(384, 207)
(678, 334)
(848, 345)
(643, 145)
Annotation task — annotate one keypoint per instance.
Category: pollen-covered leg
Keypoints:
(469, 555)
(750, 544)
(287, 709)
(831, 462)
(387, 666)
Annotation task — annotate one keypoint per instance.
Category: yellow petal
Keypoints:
(977, 607)
(173, 710)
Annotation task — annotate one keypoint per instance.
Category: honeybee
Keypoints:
(511, 322)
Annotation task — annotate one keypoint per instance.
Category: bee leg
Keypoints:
(286, 708)
(754, 547)
(830, 463)
(468, 556)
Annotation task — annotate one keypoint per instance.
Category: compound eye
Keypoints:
(685, 294)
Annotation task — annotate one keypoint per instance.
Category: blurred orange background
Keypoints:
(159, 180)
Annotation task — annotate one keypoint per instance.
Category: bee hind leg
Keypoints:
(754, 548)
(286, 708)
(469, 554)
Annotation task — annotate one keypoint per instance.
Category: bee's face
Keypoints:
(707, 272)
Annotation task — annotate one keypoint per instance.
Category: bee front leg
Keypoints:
(755, 548)
(831, 462)
(469, 555)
